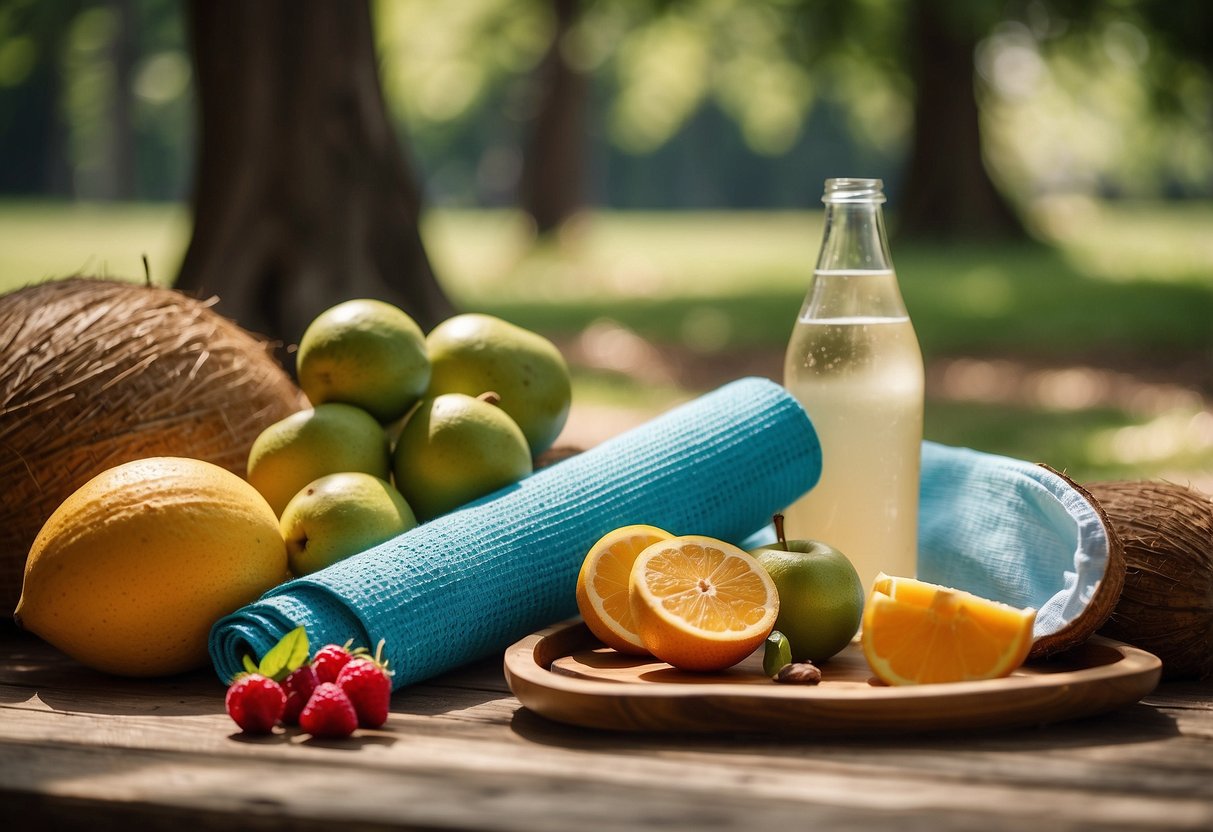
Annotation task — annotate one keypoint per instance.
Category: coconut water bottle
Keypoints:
(854, 362)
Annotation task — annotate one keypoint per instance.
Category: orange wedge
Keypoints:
(700, 603)
(602, 585)
(917, 633)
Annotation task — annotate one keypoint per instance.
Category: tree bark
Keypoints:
(123, 55)
(948, 193)
(552, 187)
(303, 197)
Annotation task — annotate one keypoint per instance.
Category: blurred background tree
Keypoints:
(303, 197)
(640, 180)
(555, 105)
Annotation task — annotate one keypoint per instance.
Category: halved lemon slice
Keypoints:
(701, 603)
(916, 633)
(602, 585)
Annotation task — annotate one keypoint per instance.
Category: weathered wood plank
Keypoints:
(459, 752)
(448, 792)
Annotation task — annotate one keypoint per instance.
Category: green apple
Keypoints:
(366, 353)
(341, 515)
(327, 439)
(454, 448)
(820, 595)
(474, 354)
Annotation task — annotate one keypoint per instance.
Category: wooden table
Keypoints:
(82, 750)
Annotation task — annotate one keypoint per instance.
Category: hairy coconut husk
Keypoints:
(94, 373)
(1106, 594)
(1167, 603)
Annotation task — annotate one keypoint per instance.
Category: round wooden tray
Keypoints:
(565, 674)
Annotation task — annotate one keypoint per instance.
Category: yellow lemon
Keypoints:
(129, 572)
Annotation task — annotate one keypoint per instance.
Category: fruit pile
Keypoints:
(329, 695)
(130, 572)
(701, 604)
(403, 427)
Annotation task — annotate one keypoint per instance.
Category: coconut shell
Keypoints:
(94, 373)
(1167, 603)
(1106, 594)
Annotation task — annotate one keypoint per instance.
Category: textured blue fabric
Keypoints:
(1007, 530)
(468, 584)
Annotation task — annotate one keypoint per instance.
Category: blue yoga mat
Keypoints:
(466, 585)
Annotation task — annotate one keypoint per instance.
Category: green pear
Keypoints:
(366, 353)
(327, 439)
(454, 448)
(341, 515)
(474, 353)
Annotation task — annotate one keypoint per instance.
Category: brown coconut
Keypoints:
(94, 373)
(1167, 603)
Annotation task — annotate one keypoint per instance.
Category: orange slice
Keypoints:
(602, 585)
(700, 603)
(917, 633)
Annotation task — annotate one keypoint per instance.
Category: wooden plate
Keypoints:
(565, 674)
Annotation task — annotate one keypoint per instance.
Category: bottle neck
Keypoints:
(854, 238)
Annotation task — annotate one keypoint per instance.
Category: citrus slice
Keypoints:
(602, 585)
(700, 603)
(917, 633)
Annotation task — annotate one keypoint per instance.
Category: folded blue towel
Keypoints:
(468, 584)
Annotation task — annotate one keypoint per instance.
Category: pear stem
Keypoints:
(783, 540)
(490, 397)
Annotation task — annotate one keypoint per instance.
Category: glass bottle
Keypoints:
(854, 362)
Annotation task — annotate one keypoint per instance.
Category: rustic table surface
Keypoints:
(83, 750)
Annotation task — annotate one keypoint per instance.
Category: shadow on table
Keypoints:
(1133, 724)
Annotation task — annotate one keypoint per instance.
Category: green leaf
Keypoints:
(249, 664)
(285, 657)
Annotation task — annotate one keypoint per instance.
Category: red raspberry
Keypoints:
(367, 685)
(328, 713)
(329, 660)
(298, 687)
(255, 702)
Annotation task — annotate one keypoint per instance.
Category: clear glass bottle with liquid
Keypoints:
(854, 362)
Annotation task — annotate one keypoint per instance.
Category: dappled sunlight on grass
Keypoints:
(1155, 241)
(1176, 438)
(633, 256)
(1093, 354)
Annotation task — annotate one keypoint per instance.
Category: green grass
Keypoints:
(1115, 286)
(41, 240)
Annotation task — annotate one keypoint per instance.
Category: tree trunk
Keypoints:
(302, 195)
(553, 175)
(123, 55)
(947, 192)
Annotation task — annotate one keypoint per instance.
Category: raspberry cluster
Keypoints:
(336, 692)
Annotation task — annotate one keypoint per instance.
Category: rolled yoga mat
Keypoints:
(470, 583)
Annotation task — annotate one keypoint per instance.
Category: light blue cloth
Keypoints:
(468, 584)
(1007, 530)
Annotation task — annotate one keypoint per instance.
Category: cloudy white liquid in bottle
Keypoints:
(854, 362)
